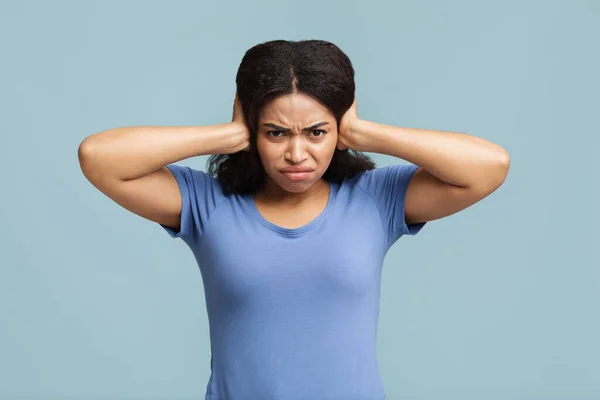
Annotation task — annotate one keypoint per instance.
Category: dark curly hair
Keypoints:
(268, 70)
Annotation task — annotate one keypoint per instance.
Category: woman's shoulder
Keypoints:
(383, 179)
(197, 181)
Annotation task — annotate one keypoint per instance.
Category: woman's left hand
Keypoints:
(345, 134)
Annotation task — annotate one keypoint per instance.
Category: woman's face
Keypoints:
(296, 132)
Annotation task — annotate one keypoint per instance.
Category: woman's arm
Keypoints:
(129, 164)
(456, 169)
(132, 152)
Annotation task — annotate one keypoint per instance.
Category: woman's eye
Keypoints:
(315, 133)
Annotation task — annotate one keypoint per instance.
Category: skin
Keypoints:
(278, 149)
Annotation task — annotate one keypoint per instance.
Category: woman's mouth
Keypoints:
(297, 176)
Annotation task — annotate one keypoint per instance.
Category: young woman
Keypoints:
(292, 222)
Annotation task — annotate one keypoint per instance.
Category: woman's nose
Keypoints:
(296, 152)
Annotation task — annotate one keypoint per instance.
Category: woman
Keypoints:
(291, 225)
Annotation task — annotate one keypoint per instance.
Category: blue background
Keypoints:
(498, 302)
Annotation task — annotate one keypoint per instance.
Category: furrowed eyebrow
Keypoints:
(307, 129)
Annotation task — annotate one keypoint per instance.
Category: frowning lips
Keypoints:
(296, 169)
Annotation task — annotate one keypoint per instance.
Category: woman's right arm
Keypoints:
(129, 164)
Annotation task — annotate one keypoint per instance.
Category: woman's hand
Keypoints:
(346, 137)
(238, 120)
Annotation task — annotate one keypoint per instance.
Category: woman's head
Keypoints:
(291, 85)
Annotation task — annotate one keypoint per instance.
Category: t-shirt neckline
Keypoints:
(293, 231)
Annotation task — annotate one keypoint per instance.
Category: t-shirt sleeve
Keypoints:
(387, 188)
(200, 192)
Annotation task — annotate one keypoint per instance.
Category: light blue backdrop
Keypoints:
(499, 302)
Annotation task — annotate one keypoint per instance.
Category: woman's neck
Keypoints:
(272, 193)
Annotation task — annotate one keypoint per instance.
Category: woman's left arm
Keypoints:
(455, 171)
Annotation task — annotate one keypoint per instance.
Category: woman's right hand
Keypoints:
(238, 120)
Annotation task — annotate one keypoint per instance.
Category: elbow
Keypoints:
(86, 154)
(499, 170)
(84, 149)
(493, 174)
(504, 158)
(504, 164)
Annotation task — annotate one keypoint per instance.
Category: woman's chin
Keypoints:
(296, 186)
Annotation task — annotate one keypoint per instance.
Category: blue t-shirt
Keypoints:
(293, 313)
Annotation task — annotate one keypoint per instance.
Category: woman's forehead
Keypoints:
(295, 108)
